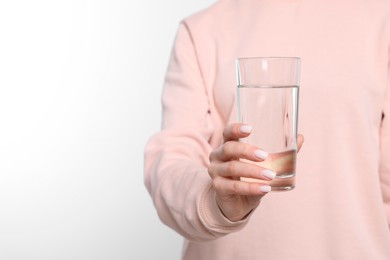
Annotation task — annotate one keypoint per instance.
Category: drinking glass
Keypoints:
(267, 96)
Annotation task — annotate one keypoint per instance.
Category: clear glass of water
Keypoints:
(267, 96)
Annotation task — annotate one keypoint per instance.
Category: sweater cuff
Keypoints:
(213, 218)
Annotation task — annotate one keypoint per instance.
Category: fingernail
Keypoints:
(265, 188)
(245, 129)
(261, 154)
(269, 174)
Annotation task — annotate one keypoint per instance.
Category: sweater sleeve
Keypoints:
(176, 158)
(385, 148)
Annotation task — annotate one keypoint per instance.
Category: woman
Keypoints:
(340, 207)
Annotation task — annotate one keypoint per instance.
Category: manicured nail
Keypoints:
(245, 129)
(261, 154)
(265, 188)
(269, 174)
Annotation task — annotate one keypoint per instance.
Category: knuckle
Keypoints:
(227, 132)
(210, 170)
(217, 184)
(213, 170)
(253, 188)
(227, 148)
(232, 167)
(224, 148)
(255, 170)
(236, 188)
(246, 150)
(212, 156)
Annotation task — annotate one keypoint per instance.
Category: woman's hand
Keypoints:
(237, 198)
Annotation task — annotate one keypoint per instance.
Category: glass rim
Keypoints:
(269, 58)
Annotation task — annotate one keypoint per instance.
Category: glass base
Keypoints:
(282, 188)
(284, 182)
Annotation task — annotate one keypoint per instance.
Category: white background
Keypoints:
(80, 86)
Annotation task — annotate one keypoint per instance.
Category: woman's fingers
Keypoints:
(233, 150)
(235, 131)
(236, 169)
(226, 187)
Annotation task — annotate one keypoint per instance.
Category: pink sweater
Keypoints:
(340, 208)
